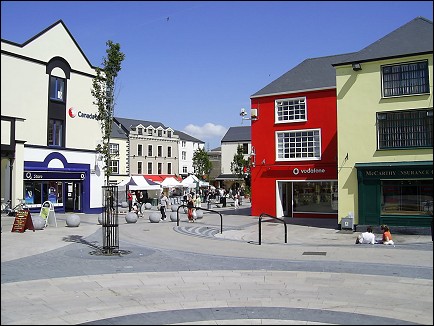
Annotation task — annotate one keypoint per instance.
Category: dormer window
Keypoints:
(150, 132)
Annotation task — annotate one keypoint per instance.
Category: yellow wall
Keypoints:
(358, 101)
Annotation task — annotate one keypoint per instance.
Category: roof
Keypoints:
(127, 123)
(236, 134)
(118, 132)
(187, 137)
(311, 74)
(415, 37)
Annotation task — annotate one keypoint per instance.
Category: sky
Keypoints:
(193, 65)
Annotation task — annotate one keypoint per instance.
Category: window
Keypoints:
(149, 150)
(184, 155)
(139, 150)
(299, 145)
(160, 168)
(169, 134)
(169, 151)
(290, 110)
(160, 151)
(405, 129)
(405, 79)
(245, 148)
(149, 167)
(150, 133)
(404, 197)
(184, 169)
(114, 149)
(160, 133)
(114, 166)
(55, 132)
(57, 88)
(169, 168)
(183, 143)
(315, 197)
(140, 131)
(139, 167)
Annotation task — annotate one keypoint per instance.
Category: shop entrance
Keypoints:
(73, 196)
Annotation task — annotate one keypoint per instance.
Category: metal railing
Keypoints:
(204, 209)
(260, 221)
(110, 225)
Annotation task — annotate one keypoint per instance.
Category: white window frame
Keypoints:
(114, 165)
(149, 168)
(299, 149)
(280, 104)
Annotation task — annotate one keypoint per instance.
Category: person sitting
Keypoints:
(387, 236)
(366, 237)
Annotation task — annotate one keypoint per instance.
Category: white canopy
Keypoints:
(171, 182)
(138, 182)
(192, 182)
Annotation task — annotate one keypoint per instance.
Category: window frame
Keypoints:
(289, 132)
(278, 108)
(402, 83)
(52, 131)
(54, 89)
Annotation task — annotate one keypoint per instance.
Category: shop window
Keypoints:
(406, 197)
(37, 192)
(315, 197)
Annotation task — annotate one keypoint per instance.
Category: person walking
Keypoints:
(130, 200)
(190, 208)
(164, 202)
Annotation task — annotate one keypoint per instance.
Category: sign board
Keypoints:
(48, 214)
(22, 222)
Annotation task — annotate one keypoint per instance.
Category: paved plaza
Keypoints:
(194, 274)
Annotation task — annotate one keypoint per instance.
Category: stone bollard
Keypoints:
(174, 208)
(73, 220)
(199, 213)
(38, 222)
(154, 217)
(173, 216)
(148, 206)
(131, 217)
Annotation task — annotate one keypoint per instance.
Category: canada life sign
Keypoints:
(73, 112)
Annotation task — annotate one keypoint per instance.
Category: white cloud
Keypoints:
(208, 132)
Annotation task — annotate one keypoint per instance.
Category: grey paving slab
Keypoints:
(195, 274)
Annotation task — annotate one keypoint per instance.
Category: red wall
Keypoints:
(321, 113)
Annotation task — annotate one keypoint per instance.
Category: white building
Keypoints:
(187, 146)
(46, 104)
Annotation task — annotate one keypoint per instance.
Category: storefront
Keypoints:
(399, 193)
(66, 185)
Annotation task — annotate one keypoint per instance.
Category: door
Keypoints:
(73, 196)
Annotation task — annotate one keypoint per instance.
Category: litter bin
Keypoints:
(347, 223)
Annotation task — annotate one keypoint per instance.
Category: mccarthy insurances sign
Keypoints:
(401, 173)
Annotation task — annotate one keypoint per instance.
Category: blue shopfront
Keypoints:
(67, 187)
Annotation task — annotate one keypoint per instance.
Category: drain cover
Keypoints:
(314, 253)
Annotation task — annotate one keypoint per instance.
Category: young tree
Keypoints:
(103, 90)
(201, 163)
(239, 163)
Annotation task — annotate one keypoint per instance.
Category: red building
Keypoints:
(294, 161)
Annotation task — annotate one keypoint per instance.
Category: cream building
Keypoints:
(385, 120)
(46, 104)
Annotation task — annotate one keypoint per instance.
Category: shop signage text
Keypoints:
(309, 170)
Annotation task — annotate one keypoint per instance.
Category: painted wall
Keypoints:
(321, 114)
(358, 100)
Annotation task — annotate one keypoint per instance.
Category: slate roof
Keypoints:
(187, 137)
(236, 134)
(415, 37)
(133, 122)
(311, 74)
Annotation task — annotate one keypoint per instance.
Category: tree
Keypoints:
(201, 163)
(103, 90)
(239, 164)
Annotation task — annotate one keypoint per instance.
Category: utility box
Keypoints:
(347, 223)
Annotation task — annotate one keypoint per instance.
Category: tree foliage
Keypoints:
(201, 163)
(103, 90)
(239, 163)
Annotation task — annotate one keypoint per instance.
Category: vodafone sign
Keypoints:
(73, 112)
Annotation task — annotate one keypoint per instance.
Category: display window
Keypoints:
(37, 192)
(315, 197)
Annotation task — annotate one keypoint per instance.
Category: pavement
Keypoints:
(221, 270)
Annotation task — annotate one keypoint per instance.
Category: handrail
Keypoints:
(259, 223)
(205, 209)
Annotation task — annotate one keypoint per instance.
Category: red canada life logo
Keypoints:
(72, 112)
